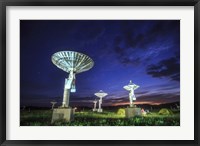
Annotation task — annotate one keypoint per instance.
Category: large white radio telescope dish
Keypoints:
(72, 61)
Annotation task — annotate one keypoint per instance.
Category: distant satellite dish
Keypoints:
(53, 104)
(95, 101)
(100, 94)
(131, 86)
(95, 105)
(72, 61)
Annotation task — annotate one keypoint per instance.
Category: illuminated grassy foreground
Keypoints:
(88, 118)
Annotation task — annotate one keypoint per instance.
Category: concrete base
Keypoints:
(100, 110)
(62, 114)
(132, 111)
(94, 110)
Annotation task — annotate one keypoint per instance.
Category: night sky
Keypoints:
(144, 51)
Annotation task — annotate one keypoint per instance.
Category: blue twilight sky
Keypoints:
(144, 51)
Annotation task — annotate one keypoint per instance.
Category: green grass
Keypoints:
(107, 118)
(35, 118)
(105, 114)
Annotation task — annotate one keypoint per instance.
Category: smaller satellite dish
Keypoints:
(53, 104)
(131, 86)
(100, 94)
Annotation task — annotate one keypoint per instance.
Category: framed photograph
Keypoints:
(99, 72)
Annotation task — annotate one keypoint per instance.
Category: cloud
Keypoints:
(86, 33)
(139, 42)
(169, 68)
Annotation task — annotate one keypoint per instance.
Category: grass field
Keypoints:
(107, 118)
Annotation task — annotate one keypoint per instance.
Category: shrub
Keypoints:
(121, 111)
(165, 111)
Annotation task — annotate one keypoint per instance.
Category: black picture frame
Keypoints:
(5, 3)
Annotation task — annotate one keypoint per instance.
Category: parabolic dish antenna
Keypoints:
(95, 105)
(72, 61)
(131, 86)
(100, 94)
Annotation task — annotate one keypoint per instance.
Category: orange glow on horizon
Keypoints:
(138, 103)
